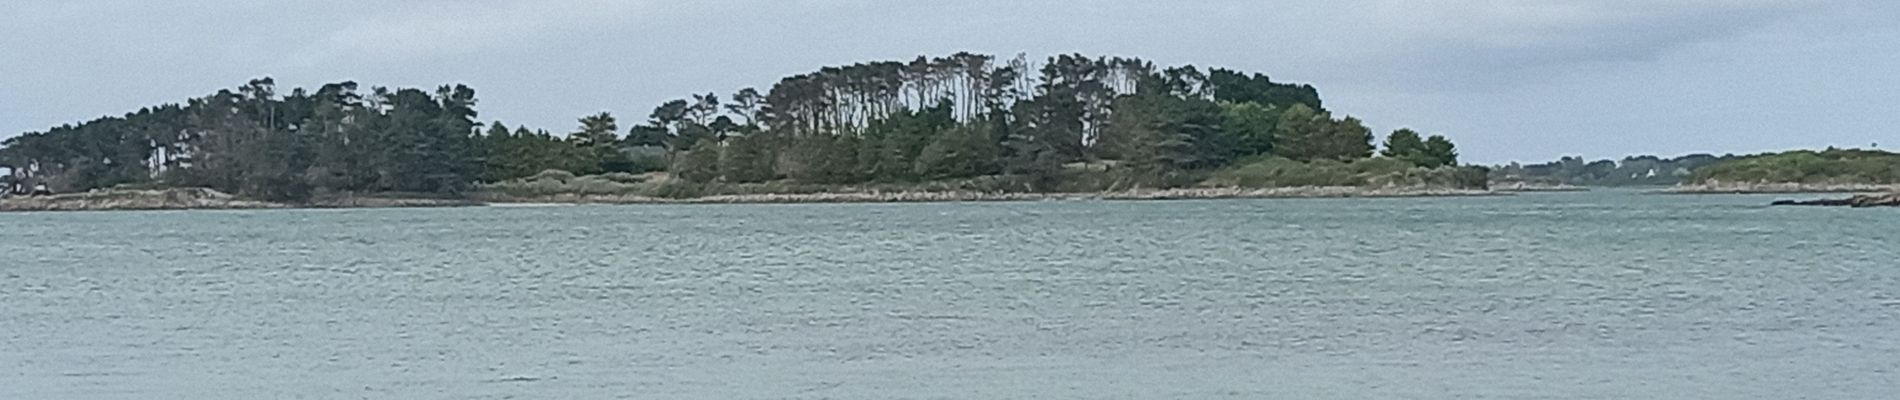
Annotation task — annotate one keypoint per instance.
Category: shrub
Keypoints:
(552, 175)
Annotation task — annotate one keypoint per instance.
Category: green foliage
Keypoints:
(1234, 87)
(1160, 134)
(1407, 145)
(1434, 152)
(522, 153)
(1834, 166)
(264, 145)
(1439, 151)
(1306, 134)
(700, 164)
(1251, 125)
(552, 175)
(747, 159)
(599, 136)
(933, 119)
(898, 140)
(822, 159)
(1272, 172)
(644, 159)
(965, 151)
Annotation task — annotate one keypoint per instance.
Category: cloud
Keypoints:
(429, 28)
(1481, 44)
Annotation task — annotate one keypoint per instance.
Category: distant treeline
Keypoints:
(928, 119)
(1801, 166)
(1630, 171)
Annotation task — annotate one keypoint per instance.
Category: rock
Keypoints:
(1890, 200)
(1862, 201)
(127, 199)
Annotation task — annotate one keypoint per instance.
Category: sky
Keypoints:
(1508, 80)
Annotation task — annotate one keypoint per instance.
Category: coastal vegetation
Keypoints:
(964, 122)
(1801, 171)
(1629, 171)
(1831, 166)
(1829, 170)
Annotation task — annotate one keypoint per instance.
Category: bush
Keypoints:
(644, 159)
(622, 177)
(1382, 166)
(551, 175)
(700, 164)
(1271, 172)
(1275, 172)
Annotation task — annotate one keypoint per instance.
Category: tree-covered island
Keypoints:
(960, 127)
(965, 123)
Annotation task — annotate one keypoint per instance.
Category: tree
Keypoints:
(599, 135)
(747, 104)
(900, 138)
(1162, 133)
(668, 118)
(1251, 126)
(746, 159)
(1234, 87)
(700, 164)
(1406, 145)
(965, 151)
(821, 159)
(1306, 134)
(1441, 151)
(598, 129)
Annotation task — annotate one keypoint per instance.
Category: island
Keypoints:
(962, 127)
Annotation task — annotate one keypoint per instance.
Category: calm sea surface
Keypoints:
(1607, 295)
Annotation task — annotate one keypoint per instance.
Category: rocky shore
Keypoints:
(167, 199)
(1862, 201)
(207, 199)
(1779, 187)
(1525, 187)
(202, 199)
(971, 196)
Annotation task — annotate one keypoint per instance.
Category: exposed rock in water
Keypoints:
(1863, 201)
(167, 199)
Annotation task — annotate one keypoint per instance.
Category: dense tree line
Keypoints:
(959, 116)
(260, 143)
(969, 115)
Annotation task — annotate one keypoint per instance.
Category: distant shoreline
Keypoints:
(204, 199)
(971, 196)
(1523, 187)
(1778, 188)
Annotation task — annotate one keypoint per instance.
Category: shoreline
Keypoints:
(1778, 188)
(972, 196)
(1521, 187)
(206, 199)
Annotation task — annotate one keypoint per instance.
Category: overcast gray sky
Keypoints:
(1508, 80)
